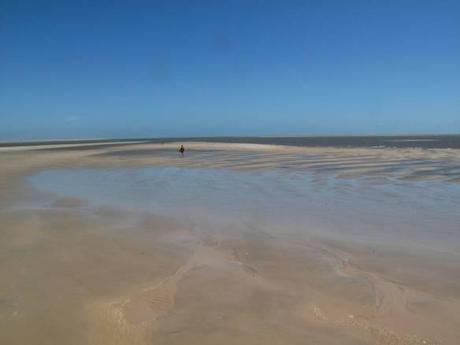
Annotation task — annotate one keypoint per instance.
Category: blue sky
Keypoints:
(74, 69)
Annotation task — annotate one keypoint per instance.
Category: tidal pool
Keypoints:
(402, 213)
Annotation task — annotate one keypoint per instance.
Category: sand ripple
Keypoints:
(406, 164)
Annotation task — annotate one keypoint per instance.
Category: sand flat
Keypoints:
(230, 244)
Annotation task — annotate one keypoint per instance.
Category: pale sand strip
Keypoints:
(13, 148)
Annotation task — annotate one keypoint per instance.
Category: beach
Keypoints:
(233, 243)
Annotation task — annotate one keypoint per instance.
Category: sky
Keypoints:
(112, 69)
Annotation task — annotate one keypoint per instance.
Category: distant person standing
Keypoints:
(182, 150)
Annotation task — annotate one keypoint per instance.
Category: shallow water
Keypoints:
(413, 214)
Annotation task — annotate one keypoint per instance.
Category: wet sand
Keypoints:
(267, 245)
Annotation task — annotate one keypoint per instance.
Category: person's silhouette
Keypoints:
(182, 150)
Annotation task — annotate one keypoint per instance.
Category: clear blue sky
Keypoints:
(73, 69)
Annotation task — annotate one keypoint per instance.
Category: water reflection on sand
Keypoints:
(403, 213)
